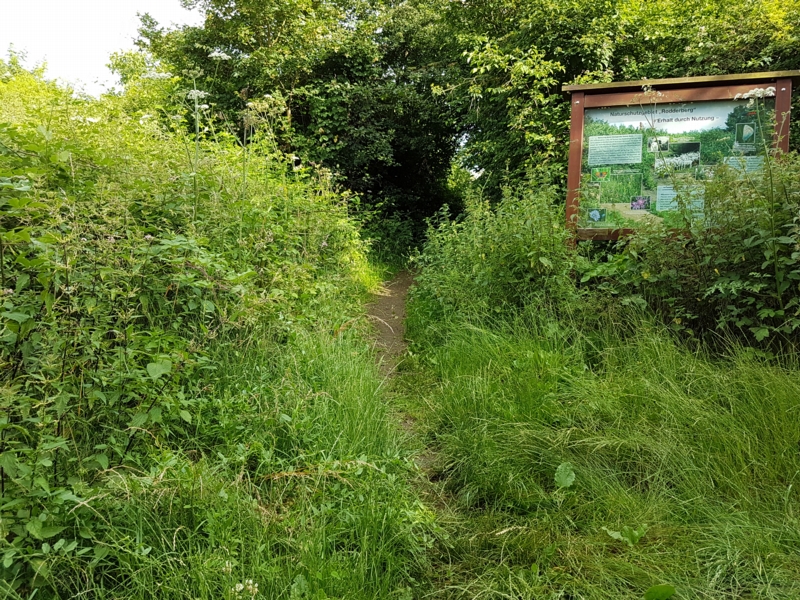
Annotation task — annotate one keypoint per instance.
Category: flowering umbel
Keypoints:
(219, 55)
(196, 95)
(756, 93)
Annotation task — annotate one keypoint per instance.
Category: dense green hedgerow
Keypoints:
(186, 409)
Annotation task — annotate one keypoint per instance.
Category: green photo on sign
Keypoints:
(623, 185)
(745, 133)
(600, 174)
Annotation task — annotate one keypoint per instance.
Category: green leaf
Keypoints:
(157, 369)
(49, 238)
(8, 461)
(100, 552)
(22, 282)
(628, 535)
(102, 460)
(48, 532)
(186, 416)
(8, 558)
(565, 475)
(155, 415)
(660, 592)
(34, 527)
(139, 419)
(16, 316)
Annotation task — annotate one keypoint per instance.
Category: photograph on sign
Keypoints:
(649, 162)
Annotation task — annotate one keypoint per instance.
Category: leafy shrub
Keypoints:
(494, 258)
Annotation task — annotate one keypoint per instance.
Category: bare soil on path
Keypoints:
(388, 315)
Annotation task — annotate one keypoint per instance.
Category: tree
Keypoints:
(355, 76)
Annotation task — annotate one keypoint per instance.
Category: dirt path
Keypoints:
(388, 314)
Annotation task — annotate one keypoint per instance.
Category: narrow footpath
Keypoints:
(388, 314)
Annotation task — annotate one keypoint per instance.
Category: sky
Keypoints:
(76, 37)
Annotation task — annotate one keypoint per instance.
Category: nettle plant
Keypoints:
(102, 330)
(735, 268)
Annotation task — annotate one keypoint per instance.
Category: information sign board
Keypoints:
(636, 148)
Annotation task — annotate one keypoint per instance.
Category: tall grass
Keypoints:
(701, 451)
(297, 483)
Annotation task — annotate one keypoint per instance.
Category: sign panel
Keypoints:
(637, 159)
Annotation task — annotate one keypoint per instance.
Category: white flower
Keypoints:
(267, 95)
(204, 106)
(196, 95)
(252, 588)
(155, 75)
(238, 588)
(219, 55)
(759, 93)
(737, 96)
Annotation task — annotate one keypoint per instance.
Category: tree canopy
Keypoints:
(388, 94)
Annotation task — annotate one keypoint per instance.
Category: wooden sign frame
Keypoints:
(659, 91)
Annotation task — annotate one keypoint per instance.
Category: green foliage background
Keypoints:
(386, 94)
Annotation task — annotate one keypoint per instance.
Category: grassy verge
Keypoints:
(296, 481)
(685, 467)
